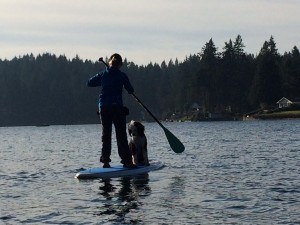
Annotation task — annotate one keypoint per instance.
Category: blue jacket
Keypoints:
(112, 82)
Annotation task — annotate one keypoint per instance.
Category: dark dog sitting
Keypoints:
(138, 143)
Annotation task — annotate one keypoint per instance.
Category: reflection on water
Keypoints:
(122, 197)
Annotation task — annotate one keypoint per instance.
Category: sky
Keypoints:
(143, 31)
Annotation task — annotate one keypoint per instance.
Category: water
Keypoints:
(231, 173)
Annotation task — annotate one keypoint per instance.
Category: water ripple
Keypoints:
(231, 173)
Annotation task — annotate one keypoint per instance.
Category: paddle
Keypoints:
(174, 142)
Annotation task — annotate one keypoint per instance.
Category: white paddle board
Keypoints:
(117, 171)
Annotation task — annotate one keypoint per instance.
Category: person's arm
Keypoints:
(127, 84)
(94, 81)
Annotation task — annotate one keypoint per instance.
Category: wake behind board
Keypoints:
(117, 171)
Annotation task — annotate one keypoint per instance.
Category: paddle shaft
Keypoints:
(150, 113)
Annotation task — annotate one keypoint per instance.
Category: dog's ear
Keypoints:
(129, 129)
(140, 127)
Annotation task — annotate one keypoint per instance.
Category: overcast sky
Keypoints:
(143, 31)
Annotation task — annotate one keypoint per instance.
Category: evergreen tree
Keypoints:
(291, 79)
(267, 81)
(239, 46)
(236, 70)
(207, 77)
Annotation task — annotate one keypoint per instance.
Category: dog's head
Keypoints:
(135, 128)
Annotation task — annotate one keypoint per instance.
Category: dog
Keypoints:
(138, 143)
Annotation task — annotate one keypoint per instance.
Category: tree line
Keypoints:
(50, 89)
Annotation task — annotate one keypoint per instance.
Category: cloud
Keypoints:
(143, 30)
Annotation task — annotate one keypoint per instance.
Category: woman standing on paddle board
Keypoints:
(111, 108)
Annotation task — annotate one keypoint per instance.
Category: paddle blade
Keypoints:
(174, 142)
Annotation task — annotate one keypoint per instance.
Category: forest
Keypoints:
(47, 89)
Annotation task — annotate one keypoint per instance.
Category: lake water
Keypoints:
(245, 172)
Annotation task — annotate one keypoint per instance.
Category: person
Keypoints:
(112, 80)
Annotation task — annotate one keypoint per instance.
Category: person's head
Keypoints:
(115, 61)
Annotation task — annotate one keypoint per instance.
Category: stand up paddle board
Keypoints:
(117, 171)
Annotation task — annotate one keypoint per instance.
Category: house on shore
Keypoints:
(284, 103)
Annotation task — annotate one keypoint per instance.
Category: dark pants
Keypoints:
(114, 115)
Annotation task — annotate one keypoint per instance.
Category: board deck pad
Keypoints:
(117, 171)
